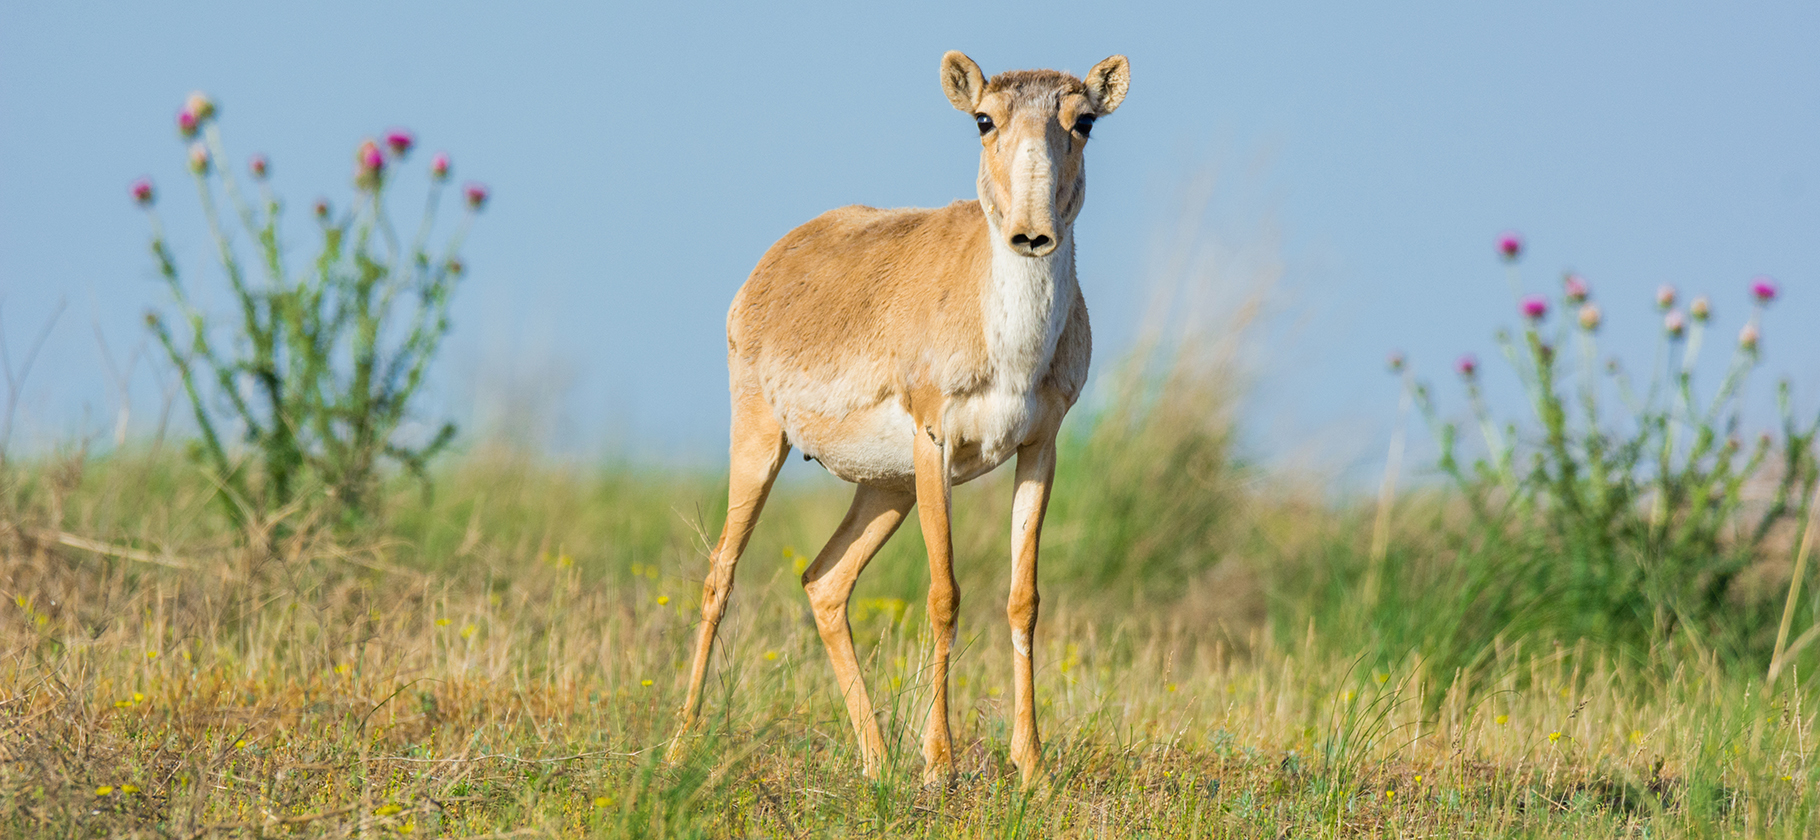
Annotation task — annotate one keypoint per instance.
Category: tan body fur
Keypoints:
(833, 328)
(912, 350)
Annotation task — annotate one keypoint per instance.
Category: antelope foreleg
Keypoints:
(933, 489)
(1035, 475)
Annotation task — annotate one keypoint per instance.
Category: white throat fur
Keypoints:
(1026, 304)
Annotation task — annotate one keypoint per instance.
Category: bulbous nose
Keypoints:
(1032, 243)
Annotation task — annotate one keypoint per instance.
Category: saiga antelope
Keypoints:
(911, 350)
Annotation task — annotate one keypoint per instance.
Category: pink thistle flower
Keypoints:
(370, 157)
(1535, 307)
(199, 158)
(1665, 296)
(1467, 366)
(199, 105)
(187, 124)
(369, 165)
(1748, 338)
(400, 141)
(1574, 288)
(142, 192)
(1674, 323)
(258, 165)
(477, 195)
(439, 166)
(1701, 309)
(1590, 316)
(1510, 246)
(1763, 289)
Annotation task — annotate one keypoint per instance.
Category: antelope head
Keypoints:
(1033, 126)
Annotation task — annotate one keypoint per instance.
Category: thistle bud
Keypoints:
(142, 192)
(1535, 307)
(322, 208)
(400, 141)
(1510, 246)
(1590, 316)
(1467, 366)
(439, 166)
(1701, 309)
(1665, 296)
(1574, 288)
(187, 124)
(199, 158)
(456, 268)
(1395, 362)
(477, 195)
(199, 105)
(1748, 338)
(1674, 323)
(258, 166)
(1763, 289)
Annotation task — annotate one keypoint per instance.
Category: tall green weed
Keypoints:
(318, 368)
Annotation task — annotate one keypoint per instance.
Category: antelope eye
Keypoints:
(1084, 124)
(985, 122)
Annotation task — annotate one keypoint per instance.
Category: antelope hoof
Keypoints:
(938, 774)
(679, 742)
(1036, 781)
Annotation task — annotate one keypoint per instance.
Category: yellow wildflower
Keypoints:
(645, 683)
(104, 790)
(662, 600)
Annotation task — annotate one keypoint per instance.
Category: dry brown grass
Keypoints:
(512, 665)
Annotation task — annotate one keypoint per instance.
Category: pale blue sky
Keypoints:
(643, 156)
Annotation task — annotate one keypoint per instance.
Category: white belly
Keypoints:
(877, 445)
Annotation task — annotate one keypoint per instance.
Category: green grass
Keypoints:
(507, 658)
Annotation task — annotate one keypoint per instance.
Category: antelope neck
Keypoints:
(1027, 301)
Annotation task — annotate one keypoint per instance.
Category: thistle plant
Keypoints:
(300, 395)
(1623, 509)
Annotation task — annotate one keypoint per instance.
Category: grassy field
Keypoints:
(505, 659)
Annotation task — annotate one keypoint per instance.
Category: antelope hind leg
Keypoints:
(870, 521)
(757, 453)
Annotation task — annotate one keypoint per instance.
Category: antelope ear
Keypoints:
(962, 81)
(1107, 82)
